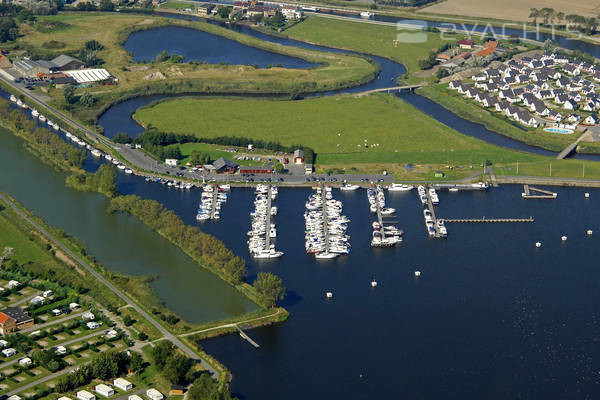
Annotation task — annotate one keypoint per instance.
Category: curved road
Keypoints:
(168, 335)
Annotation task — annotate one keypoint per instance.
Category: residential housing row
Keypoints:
(243, 9)
(537, 90)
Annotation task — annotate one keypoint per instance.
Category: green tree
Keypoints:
(69, 94)
(122, 138)
(198, 157)
(270, 288)
(161, 352)
(177, 368)
(93, 45)
(107, 5)
(86, 99)
(278, 167)
(224, 12)
(136, 362)
(104, 366)
(162, 56)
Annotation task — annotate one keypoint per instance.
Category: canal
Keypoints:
(119, 242)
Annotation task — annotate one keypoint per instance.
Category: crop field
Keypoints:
(341, 129)
(516, 10)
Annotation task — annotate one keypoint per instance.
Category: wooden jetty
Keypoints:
(244, 336)
(268, 220)
(433, 217)
(529, 192)
(489, 220)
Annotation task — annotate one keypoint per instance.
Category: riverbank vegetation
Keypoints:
(134, 79)
(104, 180)
(41, 141)
(205, 249)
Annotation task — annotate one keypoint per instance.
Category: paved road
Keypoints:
(49, 323)
(168, 335)
(21, 301)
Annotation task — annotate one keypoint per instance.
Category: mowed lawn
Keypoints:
(365, 38)
(336, 127)
(24, 249)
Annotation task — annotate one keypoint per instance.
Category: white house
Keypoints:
(299, 156)
(14, 397)
(154, 394)
(56, 312)
(454, 85)
(60, 350)
(172, 162)
(85, 395)
(25, 362)
(134, 397)
(3, 344)
(570, 105)
(74, 306)
(291, 12)
(122, 384)
(64, 398)
(111, 334)
(104, 390)
(9, 352)
(592, 119)
(48, 293)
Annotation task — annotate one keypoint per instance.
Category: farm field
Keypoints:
(515, 10)
(337, 128)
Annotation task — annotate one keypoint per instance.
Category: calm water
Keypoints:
(197, 45)
(120, 242)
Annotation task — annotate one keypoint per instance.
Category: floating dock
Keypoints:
(489, 220)
(529, 192)
(244, 336)
(268, 218)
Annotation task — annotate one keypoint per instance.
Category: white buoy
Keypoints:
(563, 238)
(373, 283)
(587, 195)
(417, 273)
(538, 244)
(329, 295)
(589, 232)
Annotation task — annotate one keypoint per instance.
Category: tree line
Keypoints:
(104, 180)
(49, 142)
(210, 250)
(549, 16)
(159, 143)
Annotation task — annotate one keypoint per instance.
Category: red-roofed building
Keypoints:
(465, 44)
(7, 324)
(488, 48)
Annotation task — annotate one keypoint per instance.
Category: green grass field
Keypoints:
(366, 38)
(335, 127)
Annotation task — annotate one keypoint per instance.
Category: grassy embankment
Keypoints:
(336, 127)
(366, 38)
(335, 71)
(469, 109)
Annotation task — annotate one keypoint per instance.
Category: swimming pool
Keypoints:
(559, 130)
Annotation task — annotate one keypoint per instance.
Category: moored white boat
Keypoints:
(398, 187)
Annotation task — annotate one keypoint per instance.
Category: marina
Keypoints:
(436, 228)
(325, 225)
(211, 200)
(263, 232)
(385, 232)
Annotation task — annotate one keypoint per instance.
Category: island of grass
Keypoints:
(73, 30)
(366, 133)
